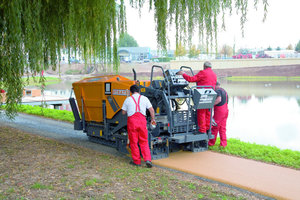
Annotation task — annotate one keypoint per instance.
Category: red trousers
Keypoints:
(138, 135)
(203, 117)
(220, 117)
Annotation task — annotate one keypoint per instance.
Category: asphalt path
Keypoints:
(54, 129)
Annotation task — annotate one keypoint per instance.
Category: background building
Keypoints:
(129, 54)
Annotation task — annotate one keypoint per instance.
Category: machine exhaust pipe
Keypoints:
(134, 74)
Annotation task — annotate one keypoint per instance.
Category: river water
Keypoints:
(265, 113)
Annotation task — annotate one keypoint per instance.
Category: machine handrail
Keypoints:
(151, 78)
(165, 76)
(156, 66)
(187, 68)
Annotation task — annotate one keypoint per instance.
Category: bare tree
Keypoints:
(290, 47)
(226, 50)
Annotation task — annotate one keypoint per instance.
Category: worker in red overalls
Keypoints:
(205, 77)
(220, 116)
(135, 106)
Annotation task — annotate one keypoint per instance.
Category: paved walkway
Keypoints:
(268, 180)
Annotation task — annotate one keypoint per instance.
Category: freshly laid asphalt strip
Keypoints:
(266, 179)
(269, 180)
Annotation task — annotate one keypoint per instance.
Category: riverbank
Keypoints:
(280, 70)
(37, 81)
(144, 69)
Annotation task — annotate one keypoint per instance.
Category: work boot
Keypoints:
(132, 163)
(148, 164)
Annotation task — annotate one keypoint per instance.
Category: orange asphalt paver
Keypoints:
(266, 179)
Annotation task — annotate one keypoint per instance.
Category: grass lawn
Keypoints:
(36, 81)
(33, 167)
(268, 154)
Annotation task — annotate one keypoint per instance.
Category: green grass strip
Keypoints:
(62, 115)
(268, 154)
(294, 78)
(35, 81)
(263, 78)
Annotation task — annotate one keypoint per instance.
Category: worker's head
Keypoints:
(218, 85)
(206, 65)
(134, 88)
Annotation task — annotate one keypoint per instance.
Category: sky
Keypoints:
(281, 28)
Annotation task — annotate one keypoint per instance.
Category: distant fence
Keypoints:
(237, 63)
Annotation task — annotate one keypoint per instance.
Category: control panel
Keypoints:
(174, 79)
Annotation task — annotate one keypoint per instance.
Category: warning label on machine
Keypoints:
(121, 92)
(206, 99)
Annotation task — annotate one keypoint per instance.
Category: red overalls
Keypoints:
(220, 117)
(204, 77)
(138, 135)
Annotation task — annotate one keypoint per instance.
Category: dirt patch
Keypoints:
(282, 70)
(144, 70)
(32, 167)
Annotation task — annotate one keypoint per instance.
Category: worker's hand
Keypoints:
(153, 121)
(180, 72)
(152, 124)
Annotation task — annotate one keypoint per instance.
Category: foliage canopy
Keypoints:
(193, 52)
(226, 50)
(34, 32)
(297, 48)
(180, 50)
(127, 40)
(290, 47)
(269, 48)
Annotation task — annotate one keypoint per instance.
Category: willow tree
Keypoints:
(33, 32)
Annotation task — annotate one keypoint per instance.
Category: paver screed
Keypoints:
(266, 179)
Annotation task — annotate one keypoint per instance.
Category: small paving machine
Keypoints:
(98, 102)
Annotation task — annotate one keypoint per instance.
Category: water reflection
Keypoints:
(263, 113)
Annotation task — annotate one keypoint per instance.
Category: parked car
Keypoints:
(262, 56)
(242, 56)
